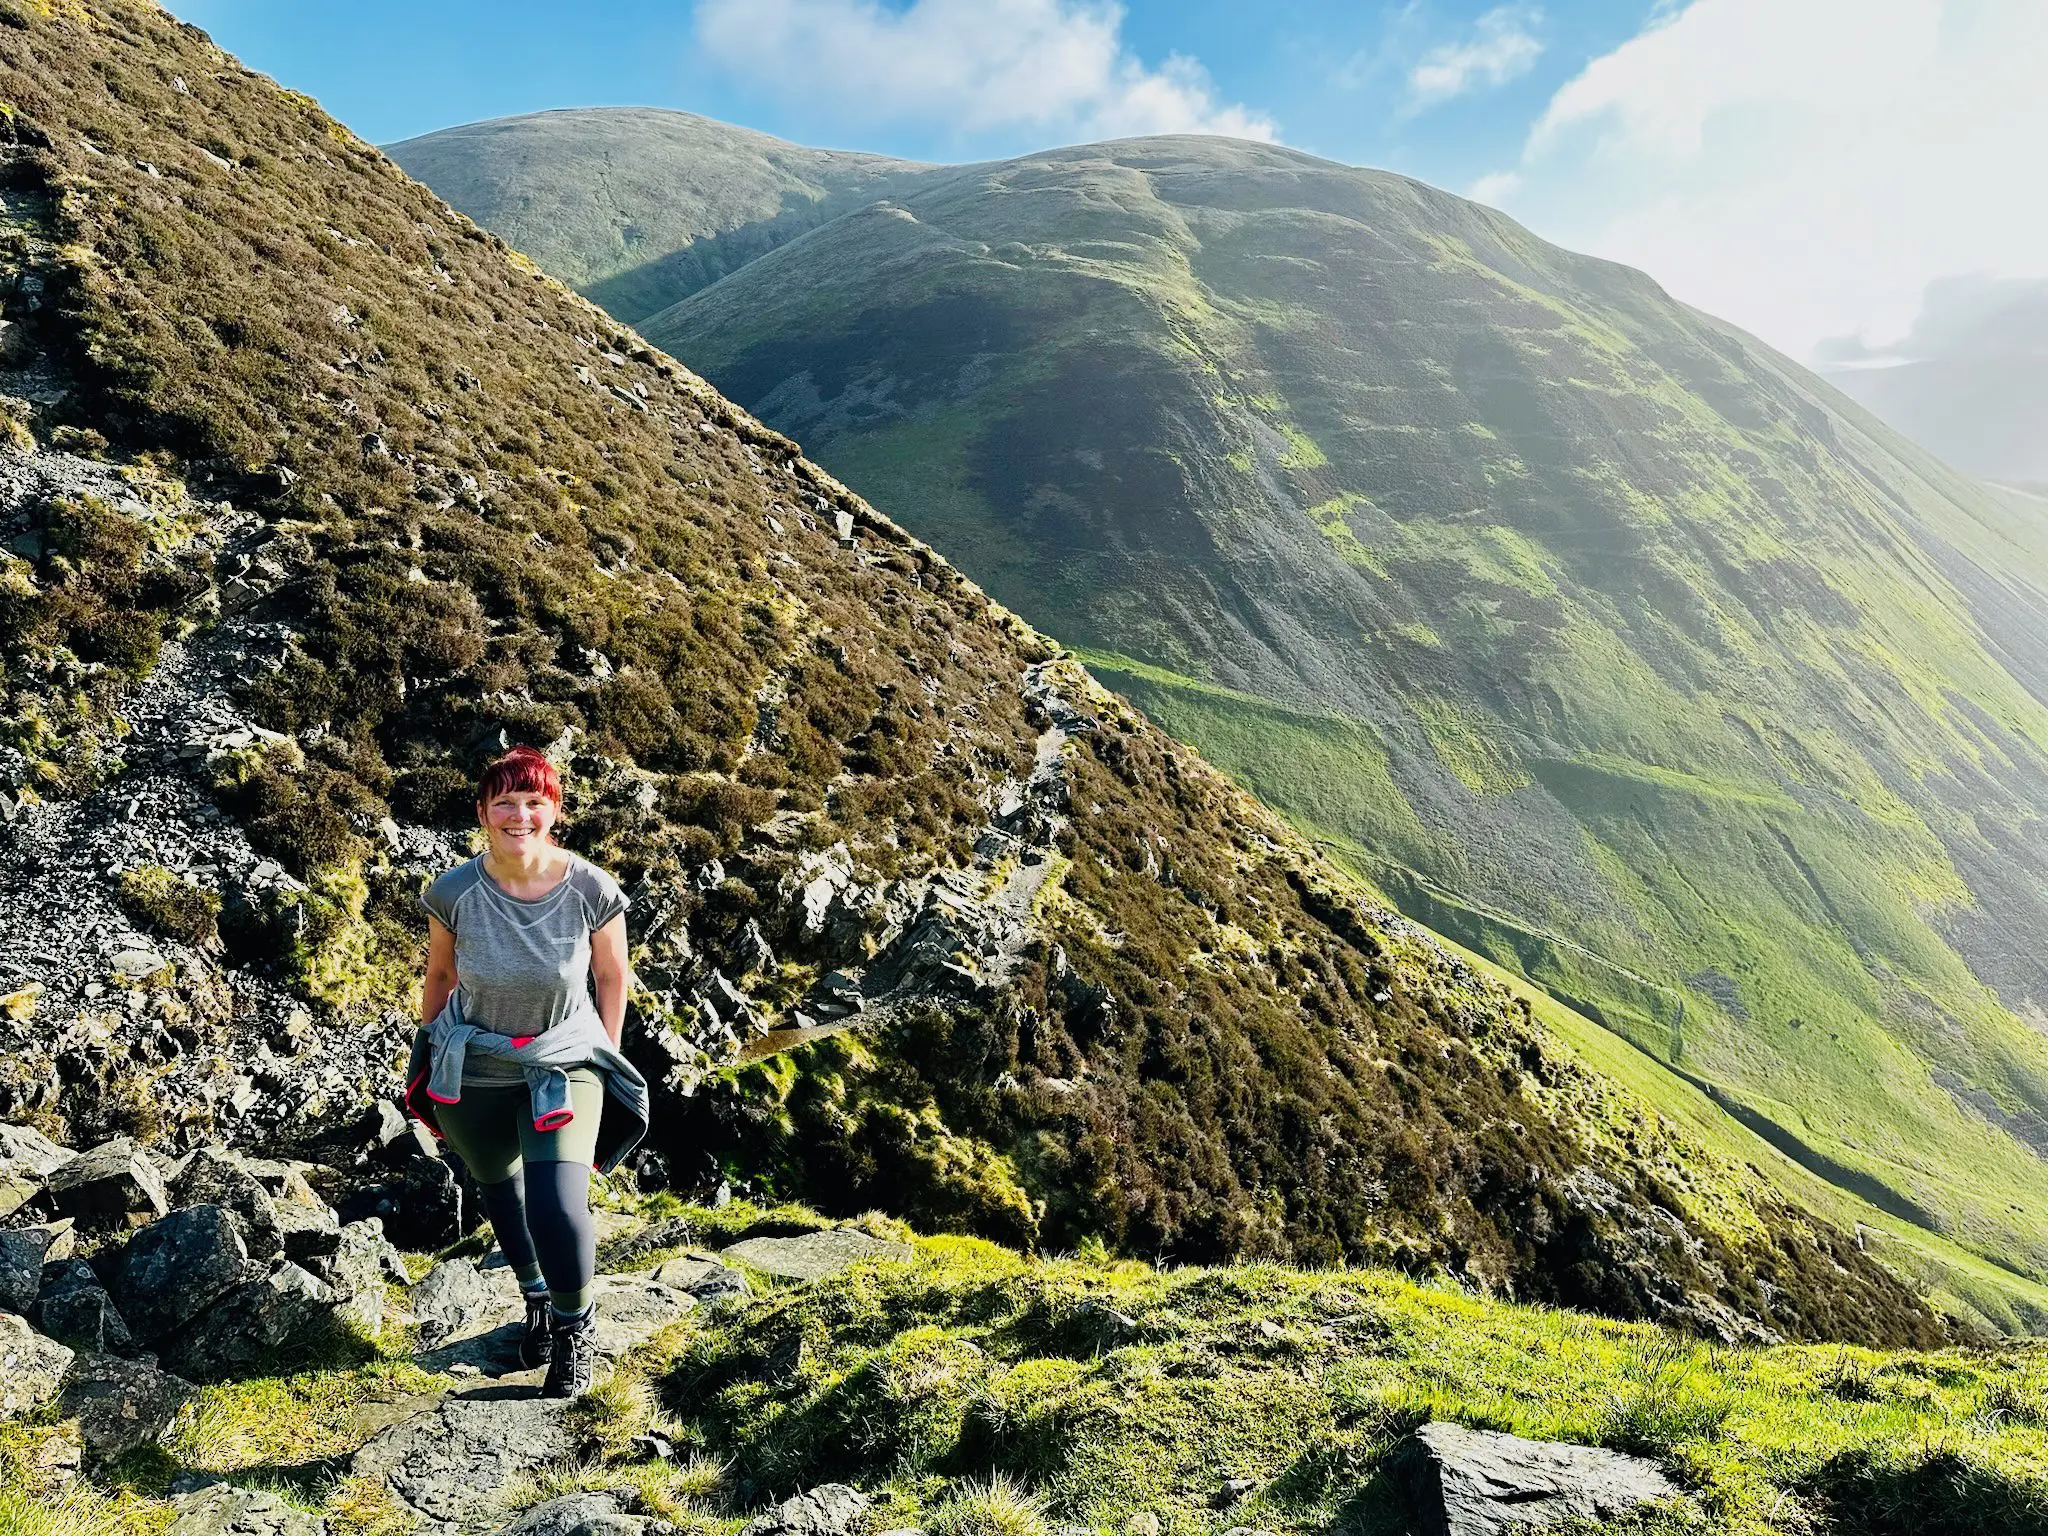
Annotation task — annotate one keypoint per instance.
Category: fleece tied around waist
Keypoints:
(443, 1047)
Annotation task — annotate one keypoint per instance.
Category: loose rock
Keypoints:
(454, 1298)
(21, 1266)
(222, 1510)
(120, 1404)
(254, 1324)
(215, 1177)
(1471, 1482)
(831, 1510)
(707, 1280)
(27, 1157)
(112, 1185)
(176, 1268)
(73, 1307)
(31, 1367)
(580, 1514)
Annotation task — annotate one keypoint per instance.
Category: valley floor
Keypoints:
(972, 1391)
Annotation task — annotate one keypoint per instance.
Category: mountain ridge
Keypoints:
(399, 498)
(1626, 627)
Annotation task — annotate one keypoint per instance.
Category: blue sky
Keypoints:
(1331, 76)
(1802, 167)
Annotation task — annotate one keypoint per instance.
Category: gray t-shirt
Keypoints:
(522, 967)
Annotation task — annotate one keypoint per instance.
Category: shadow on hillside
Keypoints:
(1943, 1495)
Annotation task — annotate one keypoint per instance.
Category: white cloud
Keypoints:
(1495, 188)
(1502, 46)
(972, 66)
(1804, 168)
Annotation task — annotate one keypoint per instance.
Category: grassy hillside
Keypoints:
(976, 1390)
(1639, 660)
(485, 513)
(639, 208)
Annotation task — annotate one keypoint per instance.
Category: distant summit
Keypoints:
(315, 495)
(638, 207)
(1600, 636)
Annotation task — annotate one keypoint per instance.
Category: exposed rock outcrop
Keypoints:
(1473, 1482)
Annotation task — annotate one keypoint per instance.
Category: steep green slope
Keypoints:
(636, 207)
(1636, 658)
(399, 498)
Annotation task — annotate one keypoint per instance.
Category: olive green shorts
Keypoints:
(491, 1127)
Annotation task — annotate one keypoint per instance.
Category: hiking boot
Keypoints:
(572, 1356)
(533, 1342)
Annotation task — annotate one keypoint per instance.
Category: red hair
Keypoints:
(523, 770)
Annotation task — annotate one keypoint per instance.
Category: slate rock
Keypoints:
(120, 1404)
(426, 1205)
(630, 1310)
(580, 1514)
(453, 1463)
(297, 1207)
(1473, 1482)
(355, 1268)
(112, 1185)
(831, 1510)
(27, 1158)
(213, 1177)
(74, 1307)
(453, 1298)
(224, 1510)
(21, 1266)
(32, 1368)
(707, 1280)
(254, 1324)
(814, 1255)
(177, 1267)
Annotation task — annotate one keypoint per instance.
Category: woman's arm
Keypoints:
(608, 974)
(440, 977)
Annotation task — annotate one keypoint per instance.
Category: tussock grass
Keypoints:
(967, 1370)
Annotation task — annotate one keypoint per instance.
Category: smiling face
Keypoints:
(518, 822)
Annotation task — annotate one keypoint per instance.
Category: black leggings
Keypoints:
(541, 1215)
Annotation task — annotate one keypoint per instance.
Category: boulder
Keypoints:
(252, 1325)
(831, 1510)
(707, 1280)
(814, 1255)
(21, 1266)
(224, 1510)
(293, 1202)
(454, 1298)
(113, 1185)
(580, 1514)
(27, 1158)
(32, 1368)
(355, 1264)
(1473, 1482)
(452, 1463)
(177, 1267)
(214, 1177)
(120, 1404)
(73, 1306)
(421, 1207)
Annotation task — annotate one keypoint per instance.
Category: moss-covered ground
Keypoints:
(978, 1390)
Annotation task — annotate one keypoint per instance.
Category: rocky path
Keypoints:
(452, 1459)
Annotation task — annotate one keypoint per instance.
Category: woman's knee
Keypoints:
(558, 1201)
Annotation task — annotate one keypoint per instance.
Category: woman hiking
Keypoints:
(516, 1065)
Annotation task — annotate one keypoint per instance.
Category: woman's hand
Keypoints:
(608, 972)
(440, 977)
